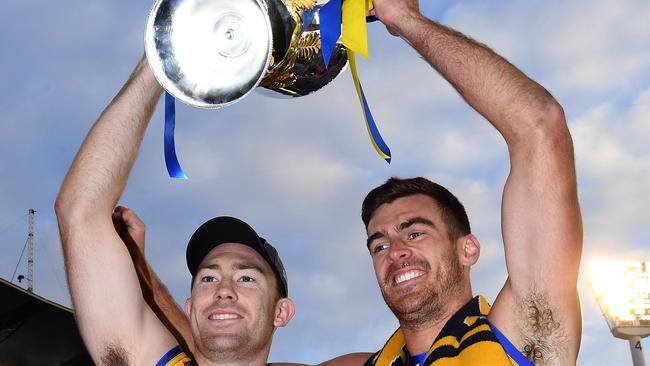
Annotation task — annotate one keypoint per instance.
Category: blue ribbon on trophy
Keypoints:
(171, 160)
(292, 47)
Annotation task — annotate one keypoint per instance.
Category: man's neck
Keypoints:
(420, 337)
(235, 359)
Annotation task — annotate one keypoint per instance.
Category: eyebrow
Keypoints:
(404, 225)
(248, 265)
(373, 237)
(413, 221)
(213, 266)
(236, 266)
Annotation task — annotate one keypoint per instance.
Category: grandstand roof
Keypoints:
(36, 331)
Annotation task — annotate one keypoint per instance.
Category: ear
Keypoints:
(284, 310)
(188, 306)
(470, 250)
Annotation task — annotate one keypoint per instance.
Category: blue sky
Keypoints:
(298, 169)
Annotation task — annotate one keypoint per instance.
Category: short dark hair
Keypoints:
(452, 211)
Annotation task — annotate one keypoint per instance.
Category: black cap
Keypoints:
(225, 229)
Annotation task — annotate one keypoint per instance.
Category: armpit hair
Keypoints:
(114, 355)
(542, 332)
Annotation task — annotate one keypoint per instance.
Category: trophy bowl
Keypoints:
(212, 53)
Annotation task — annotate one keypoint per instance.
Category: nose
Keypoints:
(225, 291)
(398, 250)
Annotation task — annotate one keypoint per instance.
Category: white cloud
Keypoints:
(579, 46)
(614, 165)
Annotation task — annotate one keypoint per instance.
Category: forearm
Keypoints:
(154, 292)
(516, 105)
(163, 305)
(100, 170)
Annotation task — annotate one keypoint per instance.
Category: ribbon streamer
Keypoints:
(375, 137)
(308, 17)
(171, 161)
(351, 17)
(330, 28)
(355, 33)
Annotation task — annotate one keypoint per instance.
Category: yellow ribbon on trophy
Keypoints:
(354, 34)
(355, 38)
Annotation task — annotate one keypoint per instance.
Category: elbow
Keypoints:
(64, 209)
(70, 208)
(61, 206)
(552, 120)
(552, 128)
(547, 128)
(73, 216)
(66, 203)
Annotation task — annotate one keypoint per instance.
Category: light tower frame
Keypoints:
(622, 291)
(30, 250)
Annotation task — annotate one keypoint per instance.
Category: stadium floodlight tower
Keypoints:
(623, 293)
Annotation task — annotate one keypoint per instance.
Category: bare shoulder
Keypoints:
(545, 327)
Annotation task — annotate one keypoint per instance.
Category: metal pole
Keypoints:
(30, 251)
(637, 351)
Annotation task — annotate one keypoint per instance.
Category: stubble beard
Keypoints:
(221, 347)
(228, 348)
(417, 309)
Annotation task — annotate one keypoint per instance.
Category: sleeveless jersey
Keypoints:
(467, 339)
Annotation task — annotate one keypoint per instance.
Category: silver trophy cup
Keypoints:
(212, 53)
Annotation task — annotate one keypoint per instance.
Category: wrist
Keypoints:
(143, 75)
(405, 23)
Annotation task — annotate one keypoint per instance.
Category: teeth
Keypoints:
(407, 276)
(223, 316)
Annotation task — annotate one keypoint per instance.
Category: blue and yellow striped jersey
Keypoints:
(467, 339)
(175, 357)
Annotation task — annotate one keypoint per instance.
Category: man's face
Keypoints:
(233, 302)
(415, 261)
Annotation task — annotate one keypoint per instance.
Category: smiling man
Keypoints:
(419, 235)
(239, 287)
(239, 294)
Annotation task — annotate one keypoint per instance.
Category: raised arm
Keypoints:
(116, 324)
(538, 308)
(132, 230)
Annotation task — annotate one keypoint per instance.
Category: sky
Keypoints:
(298, 169)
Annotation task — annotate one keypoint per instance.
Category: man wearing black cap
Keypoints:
(239, 286)
(237, 280)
